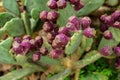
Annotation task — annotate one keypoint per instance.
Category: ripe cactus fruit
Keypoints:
(51, 35)
(61, 4)
(106, 51)
(107, 19)
(103, 17)
(38, 41)
(43, 51)
(36, 57)
(64, 30)
(74, 1)
(54, 53)
(117, 63)
(108, 34)
(32, 43)
(85, 22)
(43, 15)
(116, 24)
(52, 16)
(52, 4)
(28, 37)
(61, 40)
(115, 16)
(71, 26)
(117, 50)
(89, 32)
(18, 39)
(26, 46)
(103, 27)
(47, 26)
(78, 6)
(17, 48)
(75, 20)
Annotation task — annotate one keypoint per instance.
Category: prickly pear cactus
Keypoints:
(58, 37)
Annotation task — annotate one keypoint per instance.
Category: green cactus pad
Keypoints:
(15, 27)
(90, 6)
(11, 6)
(73, 44)
(4, 17)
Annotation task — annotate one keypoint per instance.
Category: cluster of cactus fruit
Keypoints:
(65, 48)
(61, 4)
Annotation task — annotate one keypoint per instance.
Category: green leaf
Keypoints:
(61, 76)
(116, 33)
(89, 58)
(65, 14)
(17, 74)
(95, 76)
(73, 44)
(7, 43)
(104, 42)
(89, 7)
(5, 56)
(4, 17)
(15, 27)
(26, 21)
(11, 6)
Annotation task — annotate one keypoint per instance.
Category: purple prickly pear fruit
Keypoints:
(64, 30)
(43, 51)
(117, 51)
(75, 20)
(52, 16)
(117, 63)
(18, 39)
(115, 16)
(61, 40)
(43, 15)
(89, 32)
(38, 41)
(78, 6)
(52, 4)
(47, 26)
(85, 22)
(61, 4)
(32, 42)
(71, 26)
(26, 46)
(116, 24)
(104, 27)
(56, 53)
(17, 48)
(36, 57)
(51, 35)
(27, 37)
(74, 1)
(106, 51)
(108, 34)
